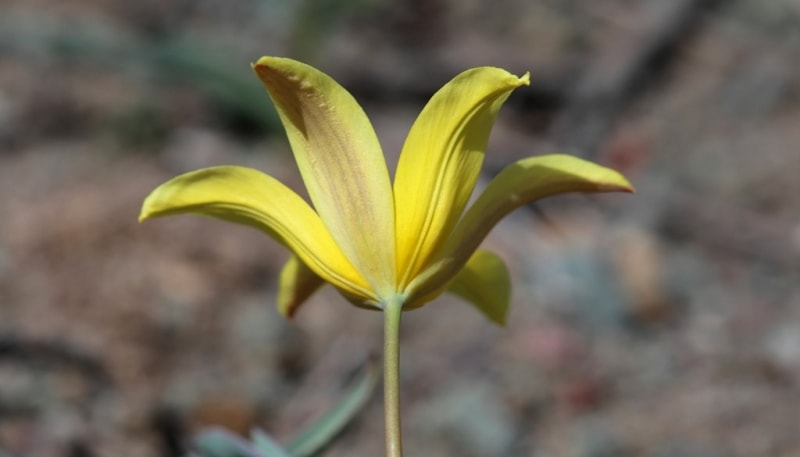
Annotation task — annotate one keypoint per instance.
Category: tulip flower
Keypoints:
(385, 244)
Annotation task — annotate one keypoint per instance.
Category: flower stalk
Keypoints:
(392, 310)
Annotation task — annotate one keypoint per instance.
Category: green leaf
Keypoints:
(318, 434)
(266, 446)
(218, 442)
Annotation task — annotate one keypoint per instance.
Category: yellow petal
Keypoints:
(341, 162)
(518, 184)
(441, 160)
(297, 282)
(485, 283)
(247, 196)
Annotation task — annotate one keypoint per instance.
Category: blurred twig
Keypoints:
(620, 72)
(46, 357)
(53, 353)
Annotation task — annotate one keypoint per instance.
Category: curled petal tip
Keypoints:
(263, 61)
(618, 183)
(145, 213)
(629, 189)
(265, 65)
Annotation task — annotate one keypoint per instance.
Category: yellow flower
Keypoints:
(374, 240)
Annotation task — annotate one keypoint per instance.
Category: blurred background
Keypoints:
(662, 324)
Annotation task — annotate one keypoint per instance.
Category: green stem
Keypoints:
(391, 377)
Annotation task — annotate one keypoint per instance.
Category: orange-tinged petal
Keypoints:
(341, 162)
(484, 282)
(297, 282)
(247, 196)
(441, 160)
(518, 184)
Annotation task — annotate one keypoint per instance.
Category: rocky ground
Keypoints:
(662, 324)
